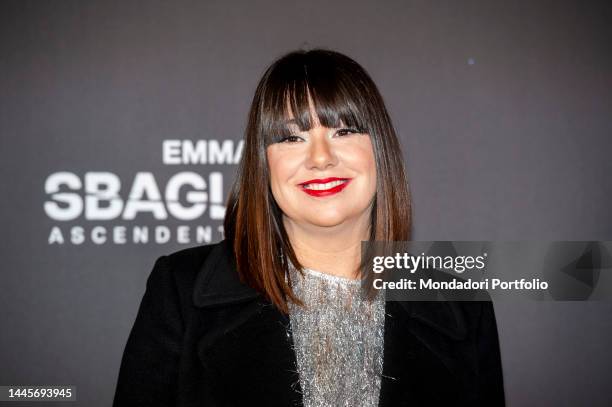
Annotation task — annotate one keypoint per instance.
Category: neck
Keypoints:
(335, 250)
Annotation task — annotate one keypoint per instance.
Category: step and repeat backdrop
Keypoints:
(121, 128)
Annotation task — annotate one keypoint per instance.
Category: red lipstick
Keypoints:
(324, 192)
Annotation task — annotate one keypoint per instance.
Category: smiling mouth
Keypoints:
(325, 187)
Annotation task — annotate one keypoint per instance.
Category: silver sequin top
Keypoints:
(338, 340)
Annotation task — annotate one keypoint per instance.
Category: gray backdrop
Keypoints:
(503, 109)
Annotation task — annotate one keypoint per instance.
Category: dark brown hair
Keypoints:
(341, 91)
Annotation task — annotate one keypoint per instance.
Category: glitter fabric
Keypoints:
(338, 340)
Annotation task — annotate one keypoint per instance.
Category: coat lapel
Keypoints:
(420, 367)
(246, 345)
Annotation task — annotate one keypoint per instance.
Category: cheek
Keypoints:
(280, 169)
(273, 166)
(370, 162)
(284, 163)
(366, 165)
(362, 159)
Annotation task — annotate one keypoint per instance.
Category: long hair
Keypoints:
(341, 91)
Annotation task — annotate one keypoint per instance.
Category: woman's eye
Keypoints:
(289, 139)
(344, 132)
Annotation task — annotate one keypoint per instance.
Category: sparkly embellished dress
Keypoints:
(338, 338)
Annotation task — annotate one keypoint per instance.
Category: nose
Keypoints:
(321, 154)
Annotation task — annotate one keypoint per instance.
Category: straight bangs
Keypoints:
(336, 95)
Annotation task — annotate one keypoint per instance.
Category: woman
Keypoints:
(272, 315)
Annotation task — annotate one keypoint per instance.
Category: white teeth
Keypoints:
(322, 187)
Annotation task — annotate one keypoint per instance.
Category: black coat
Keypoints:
(202, 338)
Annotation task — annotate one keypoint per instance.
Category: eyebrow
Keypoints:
(294, 121)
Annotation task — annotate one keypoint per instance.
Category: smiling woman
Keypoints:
(316, 117)
(273, 315)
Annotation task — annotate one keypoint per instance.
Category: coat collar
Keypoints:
(218, 284)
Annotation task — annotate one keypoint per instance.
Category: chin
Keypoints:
(327, 224)
(327, 220)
